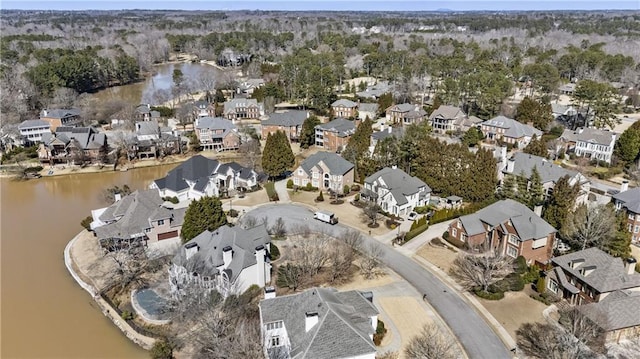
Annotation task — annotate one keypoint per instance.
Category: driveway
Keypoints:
(475, 335)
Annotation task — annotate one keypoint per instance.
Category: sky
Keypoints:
(337, 5)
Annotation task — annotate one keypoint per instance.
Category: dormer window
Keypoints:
(161, 222)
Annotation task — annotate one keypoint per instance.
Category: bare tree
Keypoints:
(278, 230)
(312, 254)
(587, 330)
(430, 343)
(539, 340)
(342, 257)
(352, 238)
(370, 263)
(130, 260)
(481, 270)
(251, 152)
(590, 226)
(249, 222)
(301, 230)
(370, 213)
(289, 275)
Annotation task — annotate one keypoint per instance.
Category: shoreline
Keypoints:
(139, 339)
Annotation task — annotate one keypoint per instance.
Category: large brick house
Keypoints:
(334, 136)
(444, 117)
(216, 133)
(290, 122)
(73, 145)
(628, 200)
(326, 171)
(406, 114)
(61, 117)
(344, 108)
(242, 108)
(509, 227)
(508, 130)
(606, 288)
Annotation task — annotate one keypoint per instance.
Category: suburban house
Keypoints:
(151, 140)
(75, 145)
(369, 110)
(217, 133)
(629, 201)
(564, 112)
(606, 288)
(319, 323)
(32, 130)
(61, 117)
(375, 91)
(406, 114)
(395, 191)
(567, 89)
(385, 131)
(464, 124)
(509, 227)
(334, 135)
(590, 143)
(227, 259)
(290, 122)
(203, 108)
(443, 118)
(522, 164)
(344, 108)
(242, 108)
(508, 130)
(139, 216)
(248, 86)
(326, 171)
(200, 176)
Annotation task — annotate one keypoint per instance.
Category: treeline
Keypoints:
(216, 42)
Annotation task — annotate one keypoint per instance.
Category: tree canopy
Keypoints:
(535, 112)
(537, 147)
(601, 99)
(277, 156)
(204, 214)
(308, 132)
(627, 148)
(357, 148)
(560, 203)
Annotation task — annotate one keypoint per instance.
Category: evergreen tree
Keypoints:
(536, 191)
(204, 214)
(472, 137)
(384, 102)
(386, 153)
(627, 147)
(537, 147)
(508, 187)
(415, 136)
(481, 176)
(358, 146)
(523, 196)
(308, 132)
(560, 203)
(620, 244)
(277, 156)
(535, 112)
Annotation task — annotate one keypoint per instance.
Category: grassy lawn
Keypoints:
(271, 189)
(441, 257)
(515, 309)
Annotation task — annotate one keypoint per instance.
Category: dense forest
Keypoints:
(471, 59)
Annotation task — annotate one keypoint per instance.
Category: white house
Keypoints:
(590, 142)
(395, 191)
(200, 176)
(228, 259)
(32, 130)
(319, 323)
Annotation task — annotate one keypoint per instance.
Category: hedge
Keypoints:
(413, 233)
(488, 295)
(271, 191)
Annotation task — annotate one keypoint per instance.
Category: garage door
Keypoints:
(167, 235)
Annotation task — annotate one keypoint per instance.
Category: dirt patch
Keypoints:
(515, 309)
(358, 282)
(406, 314)
(441, 257)
(250, 199)
(89, 257)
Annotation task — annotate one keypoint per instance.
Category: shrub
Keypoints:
(232, 213)
(421, 209)
(532, 274)
(521, 265)
(309, 186)
(445, 235)
(127, 315)
(290, 183)
(86, 222)
(357, 197)
(488, 295)
(274, 252)
(540, 285)
(380, 332)
(161, 349)
(415, 232)
(320, 197)
(355, 187)
(346, 189)
(271, 191)
(33, 169)
(513, 282)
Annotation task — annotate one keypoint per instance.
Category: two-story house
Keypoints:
(368, 110)
(384, 132)
(138, 217)
(522, 164)
(606, 288)
(344, 108)
(326, 171)
(334, 135)
(200, 176)
(216, 133)
(242, 108)
(290, 122)
(73, 145)
(395, 191)
(61, 117)
(319, 323)
(248, 86)
(32, 130)
(406, 114)
(152, 140)
(227, 259)
(444, 117)
(590, 143)
(628, 200)
(509, 227)
(509, 131)
(203, 108)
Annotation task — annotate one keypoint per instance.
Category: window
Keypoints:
(454, 232)
(161, 222)
(275, 341)
(512, 252)
(315, 174)
(636, 229)
(513, 239)
(553, 286)
(463, 237)
(147, 230)
(274, 325)
(631, 215)
(296, 181)
(540, 242)
(300, 171)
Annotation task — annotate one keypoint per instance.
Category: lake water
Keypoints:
(142, 92)
(45, 314)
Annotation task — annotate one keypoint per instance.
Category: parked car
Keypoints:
(412, 216)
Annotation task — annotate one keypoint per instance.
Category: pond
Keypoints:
(154, 306)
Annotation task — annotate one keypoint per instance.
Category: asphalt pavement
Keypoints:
(471, 330)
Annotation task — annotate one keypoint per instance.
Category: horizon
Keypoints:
(334, 5)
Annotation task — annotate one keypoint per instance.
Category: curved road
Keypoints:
(475, 335)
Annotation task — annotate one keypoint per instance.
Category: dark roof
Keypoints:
(216, 123)
(196, 169)
(334, 162)
(85, 138)
(608, 274)
(396, 132)
(341, 126)
(287, 119)
(398, 182)
(618, 310)
(630, 199)
(343, 328)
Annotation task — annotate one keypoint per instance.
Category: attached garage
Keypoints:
(167, 235)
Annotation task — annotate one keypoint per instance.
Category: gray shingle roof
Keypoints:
(513, 128)
(591, 135)
(287, 119)
(368, 107)
(447, 112)
(336, 164)
(396, 132)
(345, 103)
(526, 223)
(399, 183)
(85, 138)
(630, 199)
(549, 172)
(216, 123)
(231, 105)
(194, 169)
(60, 113)
(609, 273)
(343, 328)
(33, 123)
(243, 242)
(147, 128)
(620, 309)
(341, 126)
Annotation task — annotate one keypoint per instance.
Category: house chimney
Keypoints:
(260, 260)
(624, 186)
(511, 164)
(311, 319)
(389, 129)
(227, 256)
(381, 127)
(630, 263)
(269, 292)
(191, 249)
(117, 197)
(538, 210)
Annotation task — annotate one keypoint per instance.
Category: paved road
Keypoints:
(475, 335)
